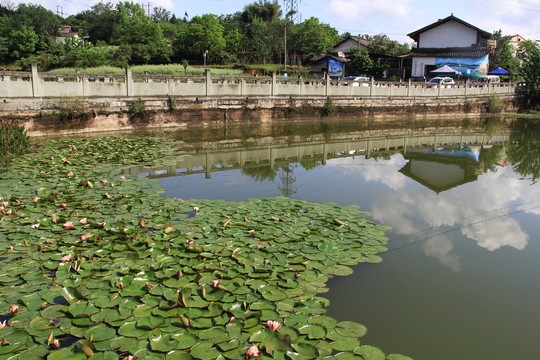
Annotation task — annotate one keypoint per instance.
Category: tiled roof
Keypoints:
(469, 52)
(356, 39)
(323, 57)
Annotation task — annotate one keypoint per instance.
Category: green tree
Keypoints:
(81, 54)
(263, 10)
(161, 14)
(529, 55)
(361, 63)
(22, 42)
(503, 55)
(381, 44)
(44, 22)
(26, 31)
(201, 33)
(314, 37)
(256, 44)
(142, 37)
(100, 22)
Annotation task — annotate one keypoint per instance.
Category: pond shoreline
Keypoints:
(68, 115)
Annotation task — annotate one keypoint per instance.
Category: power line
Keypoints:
(422, 239)
(516, 6)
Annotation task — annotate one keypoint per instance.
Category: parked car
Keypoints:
(441, 81)
(355, 81)
(489, 79)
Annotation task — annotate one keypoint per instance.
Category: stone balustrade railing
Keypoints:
(17, 84)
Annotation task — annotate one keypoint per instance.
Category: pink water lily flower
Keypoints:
(36, 199)
(67, 258)
(68, 225)
(104, 182)
(5, 204)
(215, 283)
(13, 309)
(273, 325)
(85, 237)
(83, 221)
(253, 352)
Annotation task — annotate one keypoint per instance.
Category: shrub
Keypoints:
(328, 108)
(72, 107)
(495, 104)
(137, 109)
(172, 102)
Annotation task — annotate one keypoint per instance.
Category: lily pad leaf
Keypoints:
(369, 352)
(204, 350)
(398, 357)
(351, 329)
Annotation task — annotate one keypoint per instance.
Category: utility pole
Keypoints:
(291, 9)
(147, 6)
(60, 11)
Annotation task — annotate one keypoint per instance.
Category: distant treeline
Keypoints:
(125, 34)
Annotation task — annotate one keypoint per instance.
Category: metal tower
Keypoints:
(291, 10)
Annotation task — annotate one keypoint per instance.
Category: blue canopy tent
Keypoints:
(499, 71)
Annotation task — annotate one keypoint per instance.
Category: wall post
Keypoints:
(35, 80)
(273, 87)
(327, 87)
(129, 82)
(208, 82)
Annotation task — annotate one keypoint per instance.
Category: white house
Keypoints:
(515, 41)
(453, 42)
(64, 33)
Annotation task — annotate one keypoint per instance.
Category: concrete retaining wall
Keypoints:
(60, 115)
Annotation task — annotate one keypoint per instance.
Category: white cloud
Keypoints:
(347, 9)
(440, 248)
(503, 232)
(479, 210)
(384, 172)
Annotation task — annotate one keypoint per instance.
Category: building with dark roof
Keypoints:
(333, 62)
(453, 42)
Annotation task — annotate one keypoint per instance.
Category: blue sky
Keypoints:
(391, 17)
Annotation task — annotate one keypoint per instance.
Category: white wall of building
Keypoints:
(418, 65)
(449, 34)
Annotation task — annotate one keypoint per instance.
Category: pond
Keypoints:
(460, 278)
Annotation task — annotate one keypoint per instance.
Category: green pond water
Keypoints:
(460, 278)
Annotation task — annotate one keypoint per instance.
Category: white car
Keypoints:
(442, 81)
(355, 81)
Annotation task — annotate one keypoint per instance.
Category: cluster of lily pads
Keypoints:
(97, 266)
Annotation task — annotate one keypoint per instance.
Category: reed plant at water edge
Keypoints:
(13, 140)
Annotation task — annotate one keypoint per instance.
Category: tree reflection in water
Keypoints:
(524, 148)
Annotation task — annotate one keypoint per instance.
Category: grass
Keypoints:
(168, 69)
